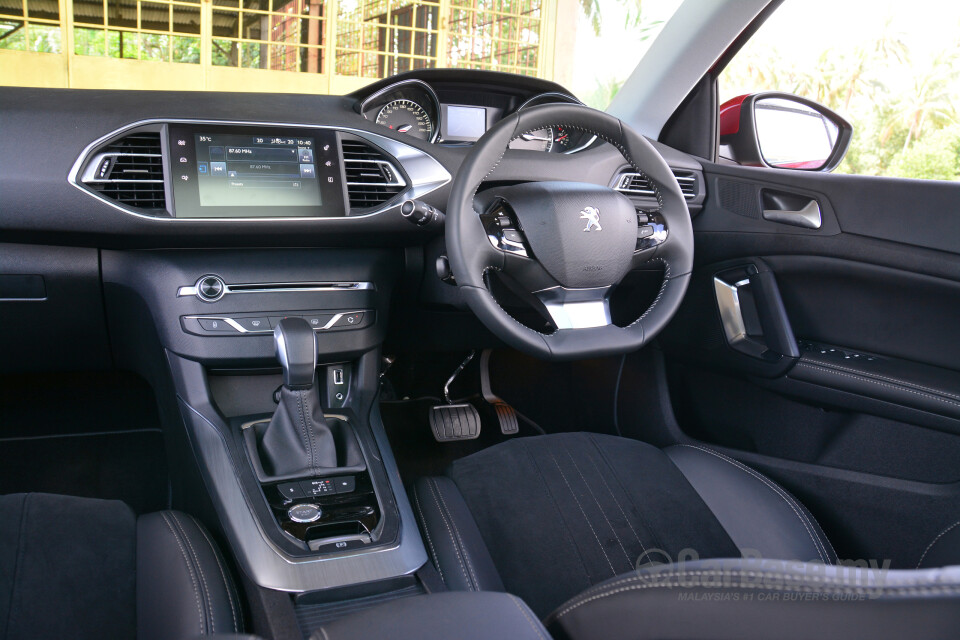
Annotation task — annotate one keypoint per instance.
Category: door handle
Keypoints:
(808, 217)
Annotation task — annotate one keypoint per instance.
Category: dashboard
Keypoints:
(130, 169)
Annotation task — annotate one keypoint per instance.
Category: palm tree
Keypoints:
(591, 9)
(930, 103)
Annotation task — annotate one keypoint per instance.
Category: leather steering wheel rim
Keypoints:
(469, 249)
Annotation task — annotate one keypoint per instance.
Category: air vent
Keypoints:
(371, 178)
(635, 184)
(129, 171)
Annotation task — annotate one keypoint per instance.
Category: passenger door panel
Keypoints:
(872, 299)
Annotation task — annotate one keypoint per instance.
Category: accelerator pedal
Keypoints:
(506, 415)
(451, 421)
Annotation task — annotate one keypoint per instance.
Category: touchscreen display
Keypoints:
(247, 172)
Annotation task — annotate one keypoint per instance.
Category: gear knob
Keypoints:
(296, 345)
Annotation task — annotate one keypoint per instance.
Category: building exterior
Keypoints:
(309, 46)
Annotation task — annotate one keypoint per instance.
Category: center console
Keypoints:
(274, 360)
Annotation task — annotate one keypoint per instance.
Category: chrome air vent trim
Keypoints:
(634, 184)
(130, 171)
(426, 174)
(372, 180)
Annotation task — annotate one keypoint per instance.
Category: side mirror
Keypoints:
(782, 131)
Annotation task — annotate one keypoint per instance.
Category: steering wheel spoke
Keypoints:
(577, 308)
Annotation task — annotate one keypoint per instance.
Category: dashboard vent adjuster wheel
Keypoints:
(372, 179)
(129, 171)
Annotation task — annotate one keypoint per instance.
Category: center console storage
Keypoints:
(465, 615)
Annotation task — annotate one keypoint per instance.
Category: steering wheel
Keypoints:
(567, 243)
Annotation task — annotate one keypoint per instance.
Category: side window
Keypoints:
(889, 69)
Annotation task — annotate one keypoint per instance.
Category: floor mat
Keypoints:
(126, 465)
(417, 453)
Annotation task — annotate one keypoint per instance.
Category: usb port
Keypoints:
(338, 376)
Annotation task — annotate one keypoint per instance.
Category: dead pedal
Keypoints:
(455, 422)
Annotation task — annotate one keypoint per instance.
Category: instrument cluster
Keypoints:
(412, 108)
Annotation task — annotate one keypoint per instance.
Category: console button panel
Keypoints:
(263, 322)
(330, 514)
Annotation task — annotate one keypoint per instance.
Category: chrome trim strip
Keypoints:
(425, 172)
(392, 87)
(279, 287)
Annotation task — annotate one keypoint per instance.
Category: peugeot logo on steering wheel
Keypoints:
(592, 216)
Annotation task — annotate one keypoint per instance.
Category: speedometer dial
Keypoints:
(406, 116)
(539, 140)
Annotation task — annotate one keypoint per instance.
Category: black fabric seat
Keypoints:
(84, 568)
(545, 518)
(606, 537)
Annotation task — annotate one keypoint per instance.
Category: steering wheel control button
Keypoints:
(210, 288)
(216, 325)
(318, 487)
(645, 231)
(512, 235)
(304, 513)
(254, 324)
(291, 490)
(345, 484)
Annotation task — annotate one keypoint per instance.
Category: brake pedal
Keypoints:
(455, 421)
(506, 415)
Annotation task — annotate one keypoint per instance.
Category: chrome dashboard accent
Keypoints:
(393, 87)
(396, 183)
(277, 287)
(426, 173)
(577, 308)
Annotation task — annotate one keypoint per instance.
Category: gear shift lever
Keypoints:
(296, 345)
(298, 440)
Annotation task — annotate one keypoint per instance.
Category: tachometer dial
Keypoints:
(406, 116)
(539, 140)
(562, 138)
